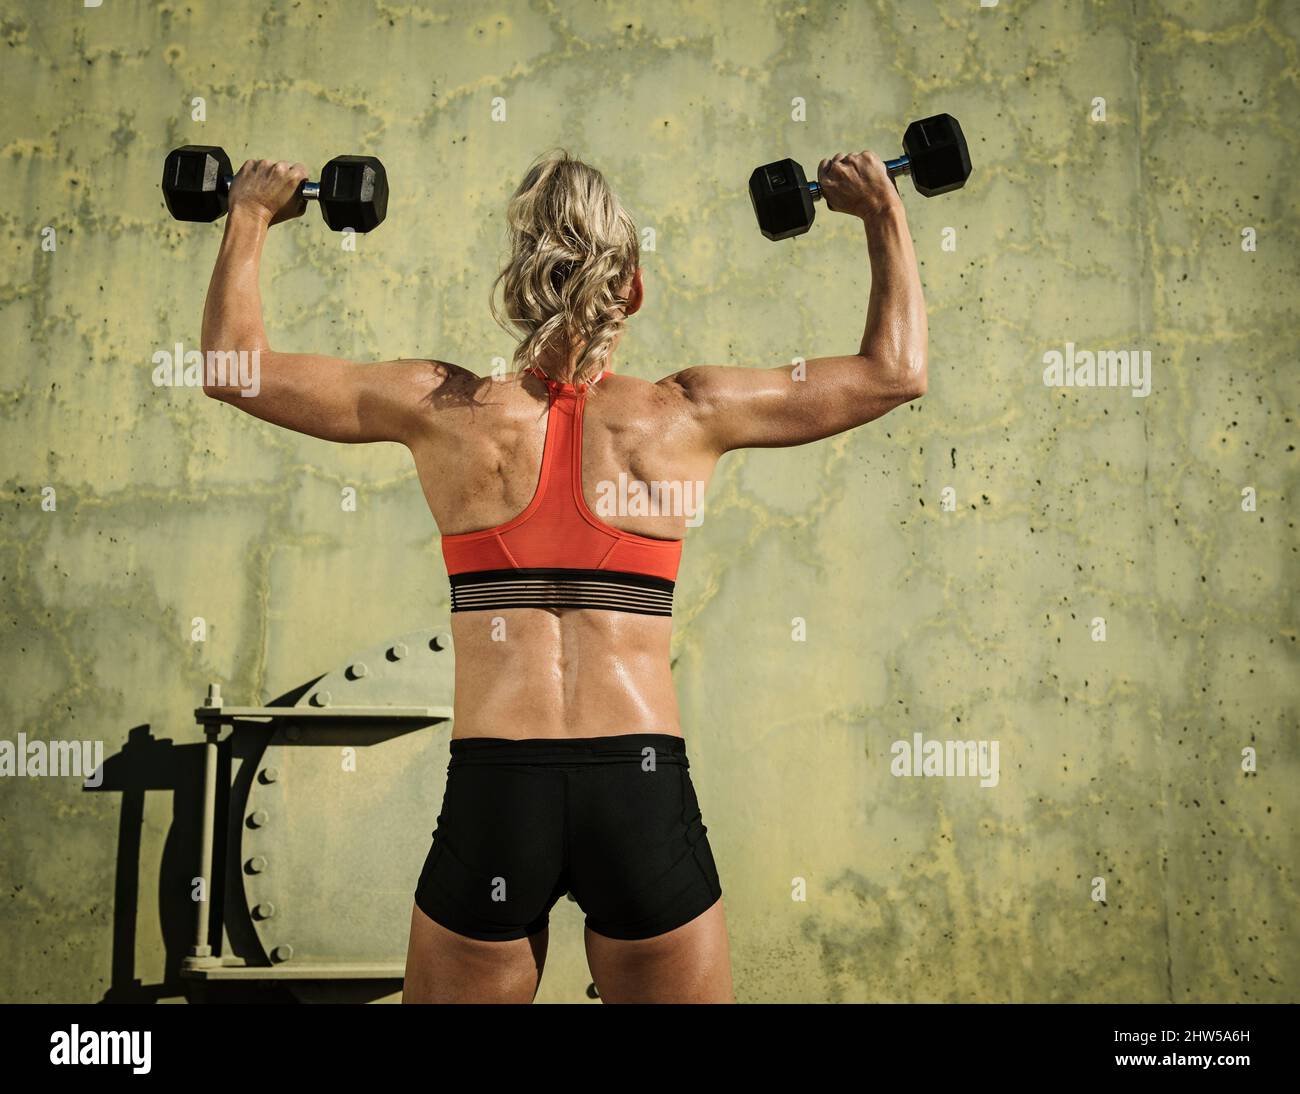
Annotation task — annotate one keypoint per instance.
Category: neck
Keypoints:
(562, 368)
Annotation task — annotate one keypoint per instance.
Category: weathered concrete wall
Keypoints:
(1120, 760)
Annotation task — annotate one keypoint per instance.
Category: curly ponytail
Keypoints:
(572, 249)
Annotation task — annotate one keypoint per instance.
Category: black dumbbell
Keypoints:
(352, 192)
(935, 156)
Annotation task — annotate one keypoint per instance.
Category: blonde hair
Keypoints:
(572, 250)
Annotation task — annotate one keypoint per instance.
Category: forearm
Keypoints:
(896, 332)
(232, 314)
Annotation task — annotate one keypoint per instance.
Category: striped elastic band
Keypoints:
(603, 590)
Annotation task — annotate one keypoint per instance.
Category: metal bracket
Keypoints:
(412, 666)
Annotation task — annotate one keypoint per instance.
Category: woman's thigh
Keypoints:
(445, 967)
(691, 964)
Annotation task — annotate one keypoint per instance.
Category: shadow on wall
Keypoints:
(148, 763)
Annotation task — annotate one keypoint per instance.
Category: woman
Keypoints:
(568, 771)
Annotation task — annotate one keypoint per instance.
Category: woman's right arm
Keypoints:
(772, 408)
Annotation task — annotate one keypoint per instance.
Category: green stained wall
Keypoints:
(1120, 759)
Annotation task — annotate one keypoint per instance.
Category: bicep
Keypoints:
(335, 399)
(790, 405)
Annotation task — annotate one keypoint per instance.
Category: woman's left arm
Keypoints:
(325, 397)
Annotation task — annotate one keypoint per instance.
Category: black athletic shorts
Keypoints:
(612, 820)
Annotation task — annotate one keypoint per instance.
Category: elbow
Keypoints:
(212, 387)
(912, 378)
(229, 372)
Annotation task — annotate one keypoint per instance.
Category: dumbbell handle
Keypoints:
(900, 166)
(309, 190)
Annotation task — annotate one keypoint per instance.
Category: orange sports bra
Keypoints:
(557, 553)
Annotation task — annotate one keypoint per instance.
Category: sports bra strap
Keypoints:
(556, 387)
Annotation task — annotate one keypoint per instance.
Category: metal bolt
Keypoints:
(214, 696)
(270, 774)
(256, 864)
(258, 818)
(357, 671)
(440, 641)
(282, 952)
(397, 651)
(321, 699)
(265, 910)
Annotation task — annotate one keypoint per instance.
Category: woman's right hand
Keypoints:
(270, 189)
(857, 183)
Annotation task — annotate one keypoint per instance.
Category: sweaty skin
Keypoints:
(477, 446)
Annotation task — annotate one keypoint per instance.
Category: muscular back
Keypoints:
(477, 445)
(479, 451)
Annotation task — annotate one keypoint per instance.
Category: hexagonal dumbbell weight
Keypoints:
(352, 192)
(935, 155)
